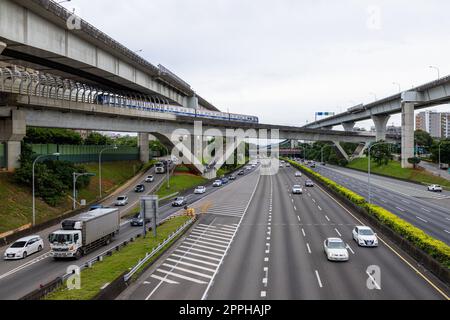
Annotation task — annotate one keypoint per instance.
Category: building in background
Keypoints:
(391, 130)
(437, 124)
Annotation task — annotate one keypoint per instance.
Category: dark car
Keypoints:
(241, 173)
(225, 180)
(233, 177)
(139, 188)
(95, 207)
(137, 221)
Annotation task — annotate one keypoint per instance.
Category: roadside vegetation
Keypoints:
(182, 180)
(101, 273)
(435, 248)
(393, 169)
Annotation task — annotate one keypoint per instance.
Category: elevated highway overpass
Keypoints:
(424, 96)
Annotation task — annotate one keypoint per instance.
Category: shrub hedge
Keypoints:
(435, 248)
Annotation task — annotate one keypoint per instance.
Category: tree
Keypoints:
(97, 139)
(445, 151)
(52, 135)
(127, 141)
(381, 153)
(414, 161)
(423, 138)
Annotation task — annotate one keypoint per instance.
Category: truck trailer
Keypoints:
(84, 233)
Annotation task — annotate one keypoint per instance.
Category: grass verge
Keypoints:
(180, 183)
(394, 169)
(111, 267)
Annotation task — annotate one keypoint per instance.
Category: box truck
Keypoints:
(84, 233)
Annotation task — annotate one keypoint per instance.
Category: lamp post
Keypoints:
(100, 167)
(75, 178)
(369, 186)
(438, 71)
(167, 169)
(33, 183)
(321, 150)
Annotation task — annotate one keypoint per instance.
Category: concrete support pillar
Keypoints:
(348, 126)
(341, 150)
(13, 130)
(407, 134)
(381, 122)
(143, 140)
(2, 46)
(360, 149)
(192, 102)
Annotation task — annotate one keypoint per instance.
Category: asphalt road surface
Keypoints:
(413, 203)
(261, 242)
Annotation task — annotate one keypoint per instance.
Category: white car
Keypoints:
(365, 237)
(435, 188)
(336, 249)
(297, 189)
(217, 183)
(298, 174)
(24, 247)
(200, 190)
(150, 179)
(121, 201)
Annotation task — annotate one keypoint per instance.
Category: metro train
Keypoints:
(172, 109)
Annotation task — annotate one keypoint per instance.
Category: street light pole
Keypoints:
(75, 178)
(167, 169)
(369, 169)
(33, 182)
(100, 168)
(438, 71)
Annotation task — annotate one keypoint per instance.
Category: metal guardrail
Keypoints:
(156, 250)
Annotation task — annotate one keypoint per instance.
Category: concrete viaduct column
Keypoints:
(12, 131)
(341, 150)
(2, 46)
(144, 151)
(380, 122)
(407, 133)
(348, 126)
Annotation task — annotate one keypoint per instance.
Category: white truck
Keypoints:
(160, 168)
(84, 233)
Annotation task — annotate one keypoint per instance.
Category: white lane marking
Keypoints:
(426, 210)
(210, 235)
(318, 279)
(266, 259)
(187, 271)
(326, 217)
(222, 234)
(190, 264)
(162, 279)
(309, 248)
(303, 231)
(299, 219)
(204, 242)
(401, 209)
(180, 276)
(295, 208)
(263, 294)
(350, 248)
(214, 230)
(422, 219)
(447, 231)
(187, 254)
(202, 246)
(226, 214)
(314, 200)
(198, 250)
(340, 235)
(26, 265)
(319, 208)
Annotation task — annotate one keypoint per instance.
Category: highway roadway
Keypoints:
(18, 278)
(274, 250)
(412, 202)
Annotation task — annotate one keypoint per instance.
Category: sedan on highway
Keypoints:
(298, 174)
(365, 237)
(225, 180)
(179, 202)
(233, 177)
(149, 179)
(138, 221)
(435, 188)
(241, 173)
(309, 183)
(139, 188)
(297, 189)
(336, 249)
(24, 247)
(121, 201)
(217, 183)
(200, 190)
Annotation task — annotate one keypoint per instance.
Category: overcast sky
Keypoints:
(283, 60)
